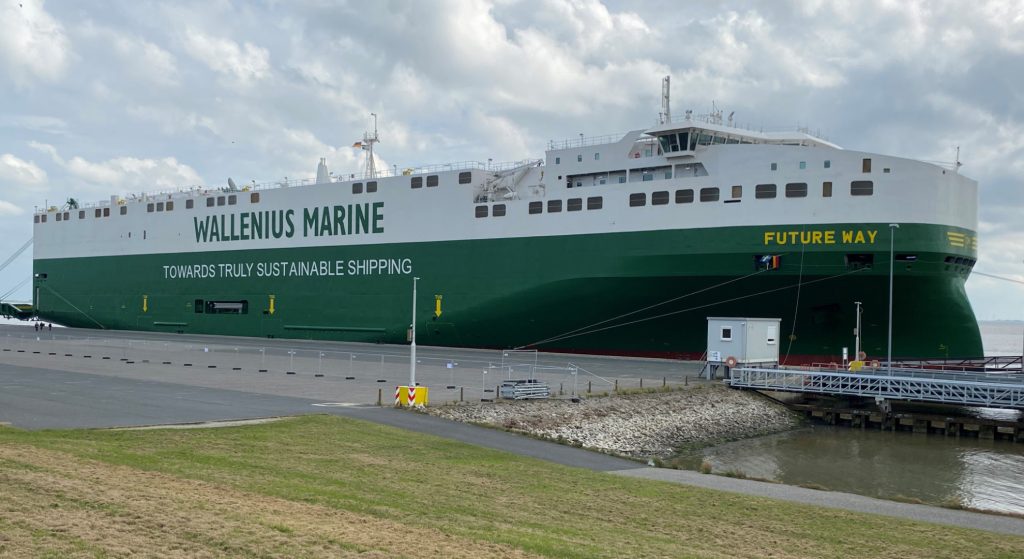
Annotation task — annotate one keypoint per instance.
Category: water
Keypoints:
(986, 475)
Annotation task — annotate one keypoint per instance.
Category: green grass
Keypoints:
(490, 496)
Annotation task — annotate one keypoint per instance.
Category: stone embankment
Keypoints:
(639, 425)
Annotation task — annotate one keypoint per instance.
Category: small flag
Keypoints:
(357, 145)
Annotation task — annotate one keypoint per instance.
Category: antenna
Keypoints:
(666, 95)
(957, 164)
(370, 171)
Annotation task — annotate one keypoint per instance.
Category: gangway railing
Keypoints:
(970, 389)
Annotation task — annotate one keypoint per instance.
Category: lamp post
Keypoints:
(856, 331)
(412, 348)
(892, 266)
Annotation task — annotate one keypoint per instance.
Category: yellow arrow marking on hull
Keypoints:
(271, 309)
(437, 306)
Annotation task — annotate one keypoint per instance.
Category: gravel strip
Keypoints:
(639, 425)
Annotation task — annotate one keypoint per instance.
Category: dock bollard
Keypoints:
(380, 396)
(664, 380)
(588, 387)
(560, 390)
(641, 382)
(461, 388)
(616, 386)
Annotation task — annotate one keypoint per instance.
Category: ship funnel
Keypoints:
(322, 176)
(231, 184)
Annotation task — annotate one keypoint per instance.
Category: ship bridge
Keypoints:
(682, 137)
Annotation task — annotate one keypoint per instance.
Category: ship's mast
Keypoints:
(370, 171)
(666, 109)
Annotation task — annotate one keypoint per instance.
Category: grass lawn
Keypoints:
(334, 487)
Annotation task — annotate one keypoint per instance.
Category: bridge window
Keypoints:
(190, 203)
(659, 198)
(81, 214)
(123, 209)
(465, 177)
(170, 206)
(99, 213)
(574, 204)
(67, 216)
(106, 211)
(220, 200)
(638, 199)
(684, 196)
(862, 188)
(764, 191)
(431, 180)
(210, 202)
(232, 200)
(481, 211)
(36, 219)
(159, 206)
(709, 194)
(498, 210)
(59, 216)
(536, 207)
(417, 182)
(371, 186)
(595, 203)
(554, 206)
(357, 188)
(796, 190)
(150, 207)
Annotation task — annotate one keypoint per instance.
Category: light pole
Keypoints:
(892, 266)
(856, 332)
(412, 348)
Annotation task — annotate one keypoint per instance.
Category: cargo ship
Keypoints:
(617, 245)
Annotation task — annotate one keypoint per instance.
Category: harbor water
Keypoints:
(933, 469)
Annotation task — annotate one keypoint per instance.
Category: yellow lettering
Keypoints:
(768, 235)
(805, 237)
(859, 239)
(847, 236)
(871, 236)
(816, 237)
(830, 237)
(781, 238)
(793, 237)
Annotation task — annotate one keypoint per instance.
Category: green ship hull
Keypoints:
(640, 293)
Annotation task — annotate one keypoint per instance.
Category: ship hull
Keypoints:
(638, 293)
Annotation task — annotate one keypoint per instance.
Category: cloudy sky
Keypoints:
(114, 97)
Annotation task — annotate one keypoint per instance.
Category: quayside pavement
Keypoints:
(51, 389)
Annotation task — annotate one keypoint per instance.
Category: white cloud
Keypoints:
(134, 174)
(135, 54)
(243, 64)
(20, 172)
(33, 45)
(8, 209)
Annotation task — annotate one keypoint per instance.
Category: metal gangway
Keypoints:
(968, 389)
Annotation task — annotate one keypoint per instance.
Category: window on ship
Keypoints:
(150, 207)
(554, 206)
(465, 177)
(81, 214)
(737, 191)
(170, 206)
(659, 198)
(637, 199)
(159, 206)
(865, 165)
(106, 212)
(254, 198)
(371, 186)
(536, 207)
(36, 219)
(232, 200)
(498, 210)
(58, 217)
(481, 211)
(67, 216)
(574, 204)
(762, 191)
(221, 200)
(796, 190)
(862, 188)
(357, 188)
(210, 202)
(857, 261)
(431, 180)
(416, 182)
(99, 213)
(595, 203)
(189, 204)
(709, 194)
(227, 307)
(684, 196)
(826, 189)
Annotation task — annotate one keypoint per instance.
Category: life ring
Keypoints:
(875, 364)
(861, 356)
(730, 361)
